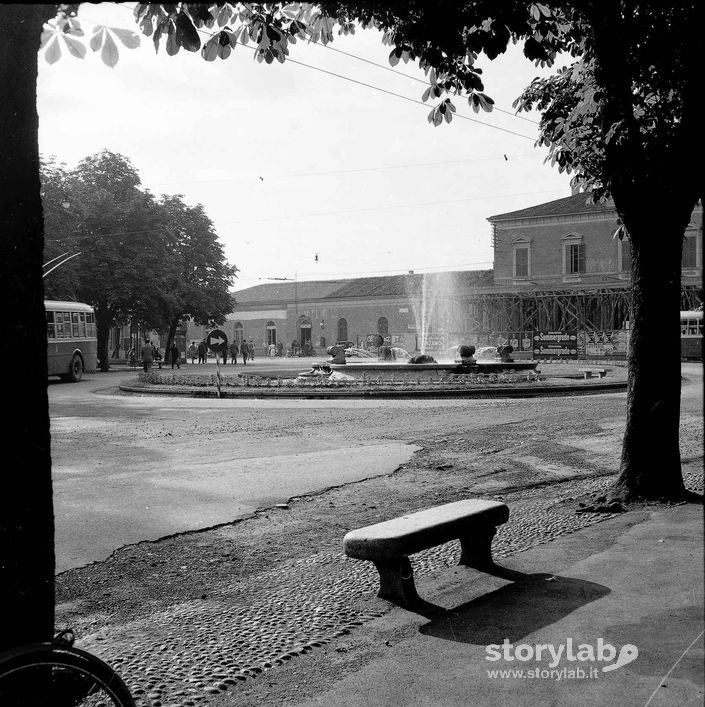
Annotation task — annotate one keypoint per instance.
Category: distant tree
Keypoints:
(62, 224)
(127, 269)
(200, 290)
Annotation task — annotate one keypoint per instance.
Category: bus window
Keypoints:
(59, 320)
(51, 331)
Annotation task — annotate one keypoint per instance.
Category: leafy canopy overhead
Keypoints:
(625, 107)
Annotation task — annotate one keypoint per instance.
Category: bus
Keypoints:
(72, 346)
(692, 335)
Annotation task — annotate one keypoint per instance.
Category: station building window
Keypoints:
(521, 257)
(690, 251)
(304, 330)
(271, 333)
(573, 255)
(624, 255)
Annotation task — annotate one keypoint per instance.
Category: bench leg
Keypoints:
(396, 581)
(476, 549)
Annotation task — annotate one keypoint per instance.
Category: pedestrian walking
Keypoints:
(244, 350)
(202, 352)
(192, 352)
(157, 355)
(234, 351)
(147, 355)
(252, 350)
(174, 355)
(272, 351)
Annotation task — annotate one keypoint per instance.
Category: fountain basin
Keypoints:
(414, 371)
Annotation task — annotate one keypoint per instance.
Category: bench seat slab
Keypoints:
(389, 544)
(418, 531)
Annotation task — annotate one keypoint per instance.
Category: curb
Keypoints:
(323, 394)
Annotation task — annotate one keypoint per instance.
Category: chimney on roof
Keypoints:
(411, 272)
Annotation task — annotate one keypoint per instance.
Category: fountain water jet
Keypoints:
(431, 296)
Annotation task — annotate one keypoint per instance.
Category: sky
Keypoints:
(323, 167)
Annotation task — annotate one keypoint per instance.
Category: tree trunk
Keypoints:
(654, 192)
(118, 343)
(103, 324)
(650, 466)
(170, 338)
(26, 511)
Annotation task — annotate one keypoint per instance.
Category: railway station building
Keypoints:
(559, 274)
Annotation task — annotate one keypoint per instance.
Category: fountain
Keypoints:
(431, 296)
(418, 367)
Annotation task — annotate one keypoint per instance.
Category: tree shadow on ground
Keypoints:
(513, 611)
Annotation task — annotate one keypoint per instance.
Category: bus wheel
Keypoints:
(75, 370)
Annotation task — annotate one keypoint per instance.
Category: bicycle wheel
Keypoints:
(57, 676)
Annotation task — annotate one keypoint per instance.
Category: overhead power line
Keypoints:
(381, 90)
(331, 172)
(391, 207)
(408, 76)
(117, 234)
(406, 98)
(374, 273)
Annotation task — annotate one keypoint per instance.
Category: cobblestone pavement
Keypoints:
(196, 649)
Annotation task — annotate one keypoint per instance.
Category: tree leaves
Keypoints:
(223, 14)
(186, 35)
(443, 111)
(109, 52)
(537, 11)
(67, 30)
(434, 90)
(480, 101)
(129, 39)
(102, 40)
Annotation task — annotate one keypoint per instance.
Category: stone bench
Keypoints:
(589, 372)
(389, 544)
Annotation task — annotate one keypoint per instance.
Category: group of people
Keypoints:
(201, 351)
(150, 353)
(246, 349)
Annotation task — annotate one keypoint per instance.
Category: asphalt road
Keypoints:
(130, 468)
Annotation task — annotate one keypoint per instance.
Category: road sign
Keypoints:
(217, 341)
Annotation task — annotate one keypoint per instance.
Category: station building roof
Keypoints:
(406, 285)
(568, 206)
